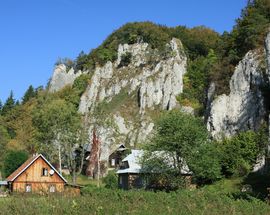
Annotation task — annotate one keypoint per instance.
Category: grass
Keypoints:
(209, 200)
(83, 180)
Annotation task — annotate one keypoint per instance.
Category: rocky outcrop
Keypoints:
(243, 108)
(61, 77)
(134, 92)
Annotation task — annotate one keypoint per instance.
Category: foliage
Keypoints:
(125, 59)
(196, 80)
(204, 162)
(66, 61)
(9, 104)
(30, 93)
(197, 41)
(111, 180)
(239, 153)
(12, 160)
(248, 33)
(179, 140)
(81, 83)
(4, 138)
(207, 200)
(159, 171)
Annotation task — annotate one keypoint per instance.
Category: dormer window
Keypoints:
(45, 172)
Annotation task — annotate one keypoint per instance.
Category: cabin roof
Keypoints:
(135, 157)
(28, 163)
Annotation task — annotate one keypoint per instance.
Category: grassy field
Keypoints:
(212, 199)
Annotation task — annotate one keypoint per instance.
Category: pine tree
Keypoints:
(9, 104)
(30, 93)
(1, 106)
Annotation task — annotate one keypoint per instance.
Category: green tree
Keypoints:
(30, 93)
(111, 180)
(13, 160)
(180, 136)
(4, 138)
(239, 153)
(204, 161)
(9, 104)
(1, 106)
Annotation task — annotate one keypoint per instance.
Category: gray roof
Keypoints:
(3, 183)
(134, 158)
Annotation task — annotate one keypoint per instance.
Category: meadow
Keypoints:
(221, 198)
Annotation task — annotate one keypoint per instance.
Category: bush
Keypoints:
(125, 59)
(111, 180)
(80, 84)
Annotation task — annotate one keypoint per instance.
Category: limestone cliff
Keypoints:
(244, 107)
(133, 91)
(62, 77)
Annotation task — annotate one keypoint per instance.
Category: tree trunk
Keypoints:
(59, 158)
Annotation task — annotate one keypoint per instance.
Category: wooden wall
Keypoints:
(39, 183)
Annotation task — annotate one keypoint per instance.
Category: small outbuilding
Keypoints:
(116, 156)
(130, 172)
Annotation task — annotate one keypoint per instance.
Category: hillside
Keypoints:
(115, 93)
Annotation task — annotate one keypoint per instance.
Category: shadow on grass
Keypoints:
(259, 184)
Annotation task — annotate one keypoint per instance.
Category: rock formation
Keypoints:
(244, 107)
(61, 77)
(132, 91)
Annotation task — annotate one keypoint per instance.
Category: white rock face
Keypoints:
(243, 108)
(149, 83)
(61, 78)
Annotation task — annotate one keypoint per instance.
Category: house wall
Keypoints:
(33, 175)
(130, 181)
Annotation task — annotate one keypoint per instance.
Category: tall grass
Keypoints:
(208, 200)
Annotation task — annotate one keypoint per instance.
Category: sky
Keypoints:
(35, 33)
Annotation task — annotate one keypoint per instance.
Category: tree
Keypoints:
(51, 117)
(13, 160)
(1, 106)
(9, 104)
(239, 153)
(180, 136)
(62, 133)
(4, 138)
(30, 93)
(204, 161)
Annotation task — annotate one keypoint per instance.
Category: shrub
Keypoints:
(111, 180)
(125, 59)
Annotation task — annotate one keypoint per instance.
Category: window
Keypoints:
(113, 162)
(44, 172)
(52, 189)
(28, 188)
(120, 180)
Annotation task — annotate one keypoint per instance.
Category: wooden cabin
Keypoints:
(116, 156)
(36, 175)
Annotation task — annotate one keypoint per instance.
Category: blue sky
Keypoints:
(35, 33)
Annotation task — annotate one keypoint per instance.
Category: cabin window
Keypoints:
(28, 188)
(52, 189)
(44, 172)
(120, 179)
(113, 162)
